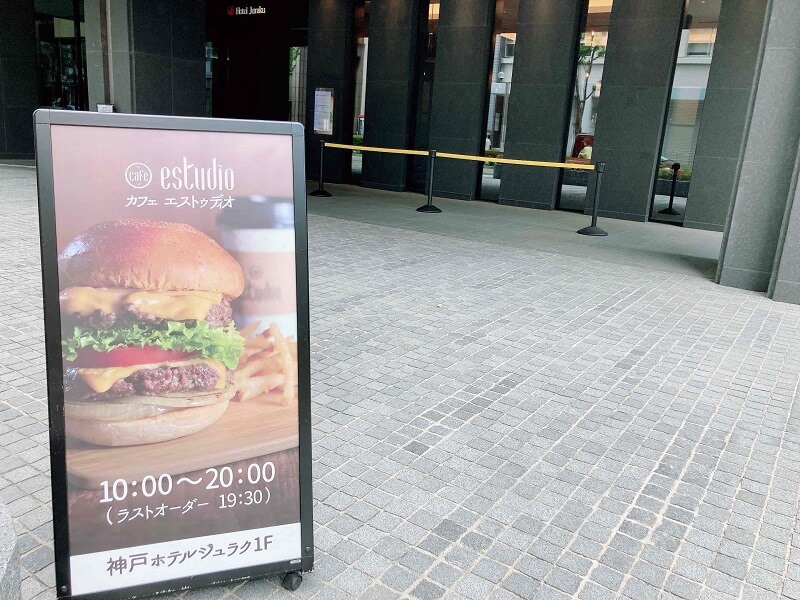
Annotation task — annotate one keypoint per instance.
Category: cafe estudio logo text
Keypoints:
(186, 176)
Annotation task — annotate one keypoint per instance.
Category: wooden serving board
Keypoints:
(246, 430)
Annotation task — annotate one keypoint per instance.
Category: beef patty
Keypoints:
(147, 382)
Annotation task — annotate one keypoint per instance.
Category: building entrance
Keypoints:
(61, 54)
(255, 59)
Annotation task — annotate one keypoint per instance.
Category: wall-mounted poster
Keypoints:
(323, 111)
(176, 315)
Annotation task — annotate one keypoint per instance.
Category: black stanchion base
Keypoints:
(320, 194)
(429, 209)
(669, 211)
(595, 231)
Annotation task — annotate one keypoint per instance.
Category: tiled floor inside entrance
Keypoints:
(502, 409)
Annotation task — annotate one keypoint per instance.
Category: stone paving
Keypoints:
(492, 422)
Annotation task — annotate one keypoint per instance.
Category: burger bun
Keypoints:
(150, 256)
(161, 428)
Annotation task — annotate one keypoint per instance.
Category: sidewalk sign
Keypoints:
(175, 284)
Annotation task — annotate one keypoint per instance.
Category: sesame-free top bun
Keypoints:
(151, 256)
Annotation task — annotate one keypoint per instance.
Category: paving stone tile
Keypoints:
(520, 584)
(427, 590)
(399, 578)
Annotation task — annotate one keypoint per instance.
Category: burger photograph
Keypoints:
(160, 382)
(148, 339)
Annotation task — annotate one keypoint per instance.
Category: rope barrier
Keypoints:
(517, 161)
(505, 161)
(376, 149)
(598, 168)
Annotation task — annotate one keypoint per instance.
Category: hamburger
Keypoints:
(148, 338)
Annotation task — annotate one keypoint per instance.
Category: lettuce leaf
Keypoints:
(221, 343)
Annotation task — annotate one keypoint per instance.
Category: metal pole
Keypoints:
(676, 168)
(320, 191)
(593, 229)
(429, 207)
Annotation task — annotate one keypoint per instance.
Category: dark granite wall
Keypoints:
(147, 56)
(331, 62)
(18, 87)
(458, 120)
(785, 283)
(762, 237)
(726, 111)
(539, 105)
(168, 56)
(643, 41)
(390, 91)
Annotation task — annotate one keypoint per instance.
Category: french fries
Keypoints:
(269, 362)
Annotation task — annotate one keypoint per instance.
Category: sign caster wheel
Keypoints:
(292, 581)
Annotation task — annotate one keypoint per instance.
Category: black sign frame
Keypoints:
(43, 120)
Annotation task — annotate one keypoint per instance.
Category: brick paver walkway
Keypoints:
(493, 422)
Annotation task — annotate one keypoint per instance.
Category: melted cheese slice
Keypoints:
(173, 306)
(101, 380)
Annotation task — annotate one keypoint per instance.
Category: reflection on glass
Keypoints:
(504, 43)
(298, 61)
(212, 56)
(428, 31)
(61, 55)
(585, 100)
(360, 95)
(685, 110)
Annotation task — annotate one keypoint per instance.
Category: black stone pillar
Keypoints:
(643, 41)
(460, 88)
(147, 56)
(18, 79)
(728, 101)
(761, 237)
(539, 105)
(168, 56)
(390, 91)
(785, 283)
(331, 58)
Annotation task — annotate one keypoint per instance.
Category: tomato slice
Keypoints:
(125, 357)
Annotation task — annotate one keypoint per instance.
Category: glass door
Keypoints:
(426, 61)
(504, 43)
(588, 84)
(360, 92)
(676, 160)
(61, 55)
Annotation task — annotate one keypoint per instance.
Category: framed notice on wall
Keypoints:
(323, 111)
(174, 263)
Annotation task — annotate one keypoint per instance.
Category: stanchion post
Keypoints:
(676, 168)
(429, 207)
(593, 229)
(320, 191)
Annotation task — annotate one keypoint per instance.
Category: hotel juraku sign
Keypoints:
(238, 11)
